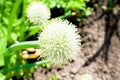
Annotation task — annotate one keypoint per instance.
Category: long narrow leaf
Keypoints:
(24, 66)
(21, 45)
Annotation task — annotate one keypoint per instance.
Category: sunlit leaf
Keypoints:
(2, 77)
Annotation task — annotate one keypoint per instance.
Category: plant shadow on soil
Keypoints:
(111, 28)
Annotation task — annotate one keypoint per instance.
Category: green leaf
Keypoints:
(1, 61)
(33, 30)
(3, 44)
(87, 0)
(2, 77)
(14, 37)
(24, 66)
(17, 22)
(87, 11)
(3, 39)
(2, 2)
(19, 46)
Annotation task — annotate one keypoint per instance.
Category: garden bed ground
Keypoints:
(99, 54)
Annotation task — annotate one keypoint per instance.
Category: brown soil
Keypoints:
(99, 54)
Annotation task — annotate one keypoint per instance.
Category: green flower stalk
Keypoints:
(38, 13)
(59, 41)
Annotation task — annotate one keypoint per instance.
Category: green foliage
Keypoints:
(13, 19)
(16, 28)
(3, 43)
(77, 8)
(2, 77)
(110, 4)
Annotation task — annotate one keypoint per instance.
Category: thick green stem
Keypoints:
(21, 45)
(24, 66)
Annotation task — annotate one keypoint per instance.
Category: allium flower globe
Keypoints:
(59, 41)
(38, 13)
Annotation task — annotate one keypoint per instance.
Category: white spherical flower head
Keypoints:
(59, 41)
(38, 13)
